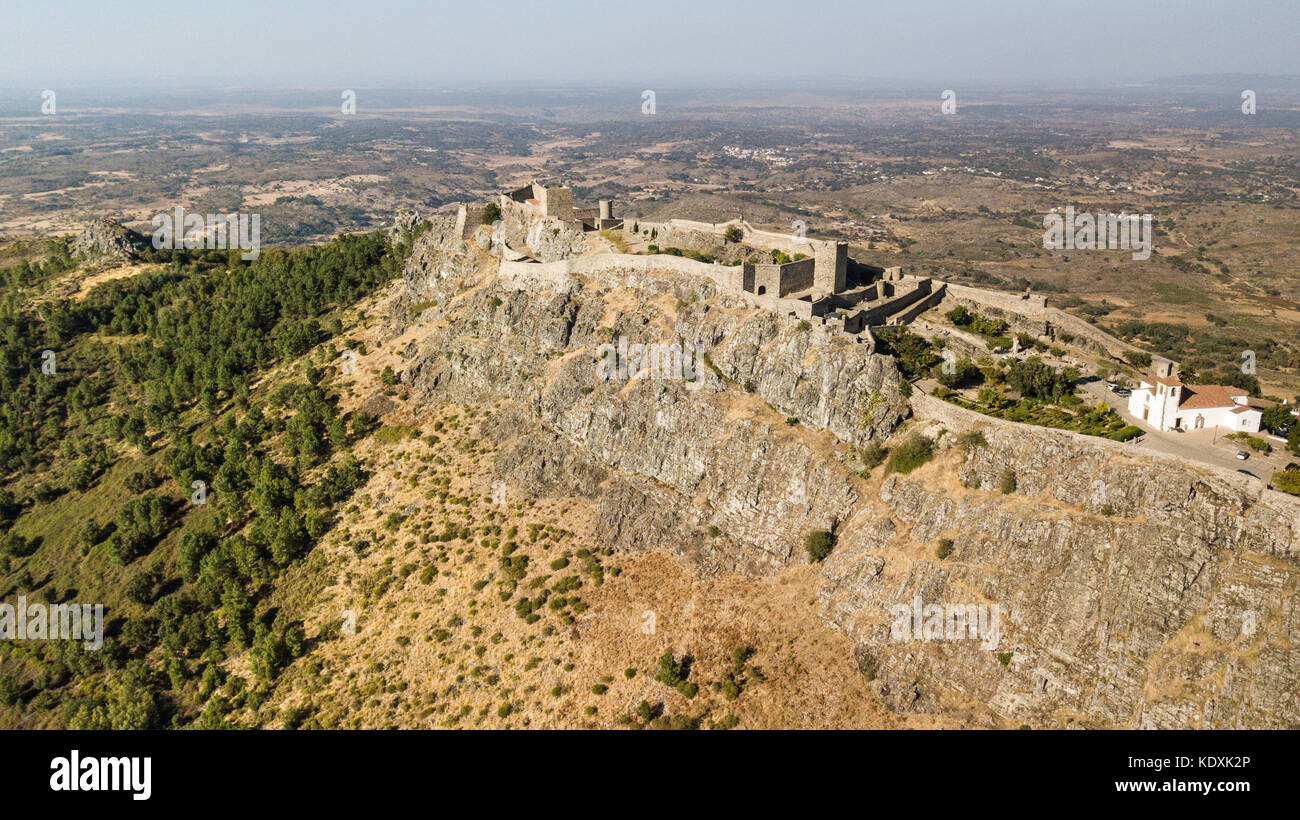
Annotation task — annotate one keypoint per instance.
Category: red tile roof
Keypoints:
(1199, 396)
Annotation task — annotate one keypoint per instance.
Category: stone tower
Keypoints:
(830, 266)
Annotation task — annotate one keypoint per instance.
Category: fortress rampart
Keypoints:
(1031, 314)
(815, 286)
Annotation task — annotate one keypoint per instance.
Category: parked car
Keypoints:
(1123, 392)
(1242, 455)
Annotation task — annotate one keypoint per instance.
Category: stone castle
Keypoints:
(818, 282)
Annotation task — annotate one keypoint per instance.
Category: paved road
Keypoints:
(1208, 446)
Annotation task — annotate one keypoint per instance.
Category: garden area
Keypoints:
(1029, 391)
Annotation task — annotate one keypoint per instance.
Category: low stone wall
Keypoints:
(1087, 335)
(1033, 307)
(878, 314)
(1034, 317)
(935, 297)
(958, 341)
(1021, 315)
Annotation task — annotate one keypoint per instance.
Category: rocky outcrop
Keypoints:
(104, 240)
(405, 221)
(549, 239)
(1130, 590)
(669, 458)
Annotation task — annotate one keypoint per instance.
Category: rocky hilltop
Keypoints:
(1131, 591)
(103, 240)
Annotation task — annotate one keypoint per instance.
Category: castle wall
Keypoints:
(558, 276)
(830, 257)
(1021, 315)
(934, 297)
(780, 280)
(879, 314)
(1033, 316)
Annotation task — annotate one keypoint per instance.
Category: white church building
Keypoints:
(1167, 404)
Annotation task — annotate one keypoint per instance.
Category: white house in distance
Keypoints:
(1166, 403)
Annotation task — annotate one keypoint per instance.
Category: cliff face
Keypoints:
(668, 458)
(1130, 591)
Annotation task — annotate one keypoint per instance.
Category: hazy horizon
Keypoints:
(571, 43)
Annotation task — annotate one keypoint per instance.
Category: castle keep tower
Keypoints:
(831, 265)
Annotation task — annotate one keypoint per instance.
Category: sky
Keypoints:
(726, 44)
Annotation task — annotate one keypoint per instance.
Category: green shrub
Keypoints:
(1288, 481)
(1007, 481)
(972, 439)
(957, 373)
(911, 454)
(944, 549)
(670, 672)
(819, 544)
(1138, 358)
(872, 455)
(730, 689)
